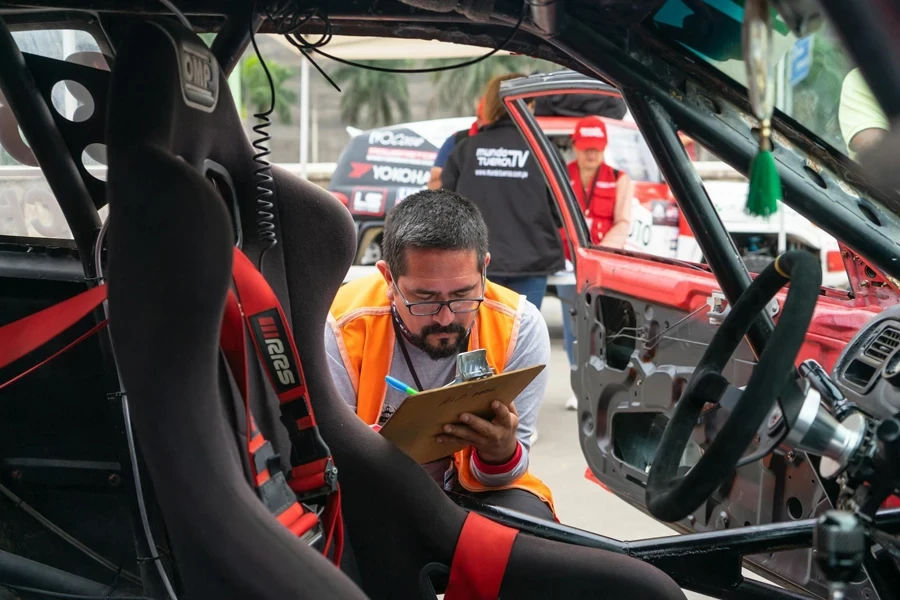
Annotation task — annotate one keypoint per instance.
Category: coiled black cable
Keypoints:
(289, 25)
(265, 186)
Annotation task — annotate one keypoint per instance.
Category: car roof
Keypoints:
(616, 41)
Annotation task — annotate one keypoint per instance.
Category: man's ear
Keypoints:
(487, 260)
(385, 271)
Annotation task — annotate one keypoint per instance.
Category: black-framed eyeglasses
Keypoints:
(432, 307)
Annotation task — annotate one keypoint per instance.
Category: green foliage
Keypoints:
(817, 98)
(457, 89)
(373, 98)
(256, 93)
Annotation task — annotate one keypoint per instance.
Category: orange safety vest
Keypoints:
(361, 319)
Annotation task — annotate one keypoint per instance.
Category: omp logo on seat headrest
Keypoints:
(271, 339)
(199, 78)
(198, 70)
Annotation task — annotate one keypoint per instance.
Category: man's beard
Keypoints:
(447, 348)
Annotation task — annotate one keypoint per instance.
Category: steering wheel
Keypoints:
(671, 497)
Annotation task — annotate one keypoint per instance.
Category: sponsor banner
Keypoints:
(405, 175)
(419, 158)
(501, 173)
(368, 200)
(502, 163)
(359, 170)
(502, 158)
(389, 173)
(404, 192)
(402, 139)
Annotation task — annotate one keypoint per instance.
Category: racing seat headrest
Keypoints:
(178, 100)
(170, 245)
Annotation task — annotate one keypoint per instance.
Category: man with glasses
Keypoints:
(430, 301)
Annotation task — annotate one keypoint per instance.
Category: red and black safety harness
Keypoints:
(251, 306)
(483, 549)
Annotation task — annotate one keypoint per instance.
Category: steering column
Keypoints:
(672, 496)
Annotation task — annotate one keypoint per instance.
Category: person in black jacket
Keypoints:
(497, 171)
(450, 143)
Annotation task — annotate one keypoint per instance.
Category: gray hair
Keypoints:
(433, 219)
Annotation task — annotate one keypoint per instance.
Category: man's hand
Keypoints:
(495, 440)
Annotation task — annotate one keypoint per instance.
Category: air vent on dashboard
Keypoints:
(883, 345)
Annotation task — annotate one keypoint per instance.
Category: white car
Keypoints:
(760, 239)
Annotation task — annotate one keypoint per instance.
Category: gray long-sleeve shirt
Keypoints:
(532, 348)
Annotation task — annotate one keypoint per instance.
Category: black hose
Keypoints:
(23, 572)
(50, 525)
(64, 596)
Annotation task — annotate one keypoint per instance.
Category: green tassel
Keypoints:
(765, 185)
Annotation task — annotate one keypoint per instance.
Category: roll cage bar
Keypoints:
(707, 563)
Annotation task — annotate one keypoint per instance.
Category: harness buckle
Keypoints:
(325, 482)
(331, 476)
(315, 537)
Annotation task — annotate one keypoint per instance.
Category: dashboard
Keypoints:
(868, 370)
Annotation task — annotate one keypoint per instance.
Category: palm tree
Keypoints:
(255, 89)
(373, 98)
(457, 89)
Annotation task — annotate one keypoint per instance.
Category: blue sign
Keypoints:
(801, 59)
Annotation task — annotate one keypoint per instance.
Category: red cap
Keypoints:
(590, 134)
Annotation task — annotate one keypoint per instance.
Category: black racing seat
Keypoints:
(170, 251)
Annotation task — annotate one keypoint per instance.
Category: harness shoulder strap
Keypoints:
(30, 333)
(480, 559)
(265, 465)
(313, 474)
(26, 335)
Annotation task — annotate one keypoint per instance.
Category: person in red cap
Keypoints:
(605, 198)
(603, 192)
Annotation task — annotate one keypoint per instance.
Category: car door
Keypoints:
(642, 321)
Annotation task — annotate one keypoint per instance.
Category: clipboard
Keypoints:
(422, 417)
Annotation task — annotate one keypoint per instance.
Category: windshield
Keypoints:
(816, 81)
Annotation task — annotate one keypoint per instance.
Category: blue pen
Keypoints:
(400, 386)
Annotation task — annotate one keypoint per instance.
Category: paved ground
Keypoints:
(556, 458)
